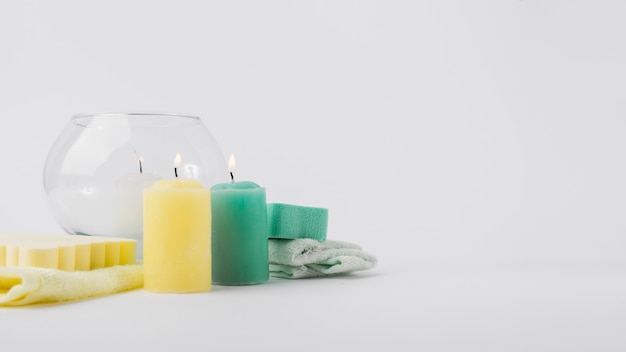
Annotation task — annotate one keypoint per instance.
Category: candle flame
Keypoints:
(141, 159)
(231, 163)
(177, 160)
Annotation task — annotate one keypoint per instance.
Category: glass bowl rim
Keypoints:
(183, 119)
(134, 113)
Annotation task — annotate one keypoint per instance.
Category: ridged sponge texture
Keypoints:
(65, 252)
(290, 221)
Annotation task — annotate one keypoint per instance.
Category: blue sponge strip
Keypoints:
(293, 221)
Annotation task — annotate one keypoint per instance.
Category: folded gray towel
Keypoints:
(303, 258)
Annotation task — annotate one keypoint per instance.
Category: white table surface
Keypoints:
(403, 305)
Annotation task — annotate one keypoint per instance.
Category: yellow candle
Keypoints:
(177, 237)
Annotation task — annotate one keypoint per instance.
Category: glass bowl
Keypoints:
(98, 166)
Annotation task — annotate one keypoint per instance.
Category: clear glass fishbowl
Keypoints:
(99, 165)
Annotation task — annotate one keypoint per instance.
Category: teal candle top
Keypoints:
(235, 185)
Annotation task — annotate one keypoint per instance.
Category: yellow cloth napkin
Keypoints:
(28, 285)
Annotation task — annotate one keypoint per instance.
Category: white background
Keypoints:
(475, 147)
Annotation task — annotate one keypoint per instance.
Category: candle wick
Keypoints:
(140, 167)
(232, 178)
(176, 172)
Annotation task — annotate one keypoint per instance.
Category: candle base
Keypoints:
(244, 283)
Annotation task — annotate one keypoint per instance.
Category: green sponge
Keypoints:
(294, 221)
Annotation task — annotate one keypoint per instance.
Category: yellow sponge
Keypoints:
(65, 252)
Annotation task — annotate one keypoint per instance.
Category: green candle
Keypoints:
(239, 233)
